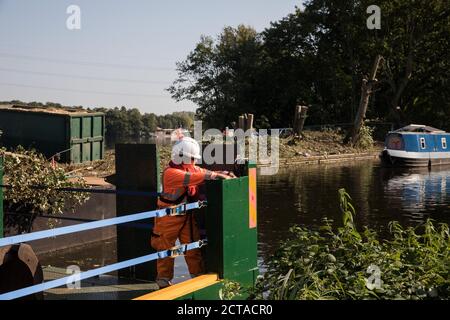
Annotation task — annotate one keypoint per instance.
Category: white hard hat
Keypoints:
(185, 149)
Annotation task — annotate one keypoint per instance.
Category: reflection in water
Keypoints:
(305, 195)
(420, 193)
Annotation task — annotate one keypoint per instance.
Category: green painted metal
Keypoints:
(75, 128)
(79, 134)
(1, 198)
(232, 245)
(87, 137)
(87, 127)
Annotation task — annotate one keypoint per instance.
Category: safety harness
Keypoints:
(189, 215)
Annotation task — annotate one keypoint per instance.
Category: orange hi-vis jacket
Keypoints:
(181, 182)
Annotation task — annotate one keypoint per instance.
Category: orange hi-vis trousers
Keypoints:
(179, 181)
(165, 234)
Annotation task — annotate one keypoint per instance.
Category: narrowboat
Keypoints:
(416, 146)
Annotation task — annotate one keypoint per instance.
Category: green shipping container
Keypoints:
(77, 135)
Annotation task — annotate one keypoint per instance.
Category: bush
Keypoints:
(414, 263)
(25, 169)
(365, 140)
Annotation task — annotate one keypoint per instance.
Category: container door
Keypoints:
(98, 127)
(87, 135)
(97, 150)
(75, 128)
(75, 134)
(75, 153)
(87, 127)
(87, 152)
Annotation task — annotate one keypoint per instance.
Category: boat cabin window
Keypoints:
(395, 142)
(422, 143)
(444, 143)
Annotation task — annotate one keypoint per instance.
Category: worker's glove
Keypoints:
(228, 173)
(221, 176)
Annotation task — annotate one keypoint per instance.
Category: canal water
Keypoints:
(304, 195)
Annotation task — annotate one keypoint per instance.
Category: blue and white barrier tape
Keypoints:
(96, 272)
(99, 224)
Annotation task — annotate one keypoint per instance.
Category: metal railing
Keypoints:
(172, 252)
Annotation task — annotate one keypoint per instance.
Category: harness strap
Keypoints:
(176, 201)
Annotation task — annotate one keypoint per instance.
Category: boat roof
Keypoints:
(412, 128)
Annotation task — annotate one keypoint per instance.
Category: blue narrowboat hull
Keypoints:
(416, 146)
(394, 158)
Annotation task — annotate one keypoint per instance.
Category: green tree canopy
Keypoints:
(318, 56)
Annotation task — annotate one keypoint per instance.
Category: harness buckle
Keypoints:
(177, 251)
(176, 210)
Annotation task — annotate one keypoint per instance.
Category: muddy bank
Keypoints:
(320, 143)
(311, 160)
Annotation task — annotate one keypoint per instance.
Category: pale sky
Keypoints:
(124, 53)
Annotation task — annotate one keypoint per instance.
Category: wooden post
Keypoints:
(366, 91)
(137, 169)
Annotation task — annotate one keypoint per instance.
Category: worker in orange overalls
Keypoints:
(181, 181)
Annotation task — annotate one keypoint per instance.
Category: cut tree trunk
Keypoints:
(299, 119)
(366, 91)
(303, 115)
(241, 123)
(250, 121)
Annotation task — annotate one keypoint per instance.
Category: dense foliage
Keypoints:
(24, 169)
(318, 56)
(414, 263)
